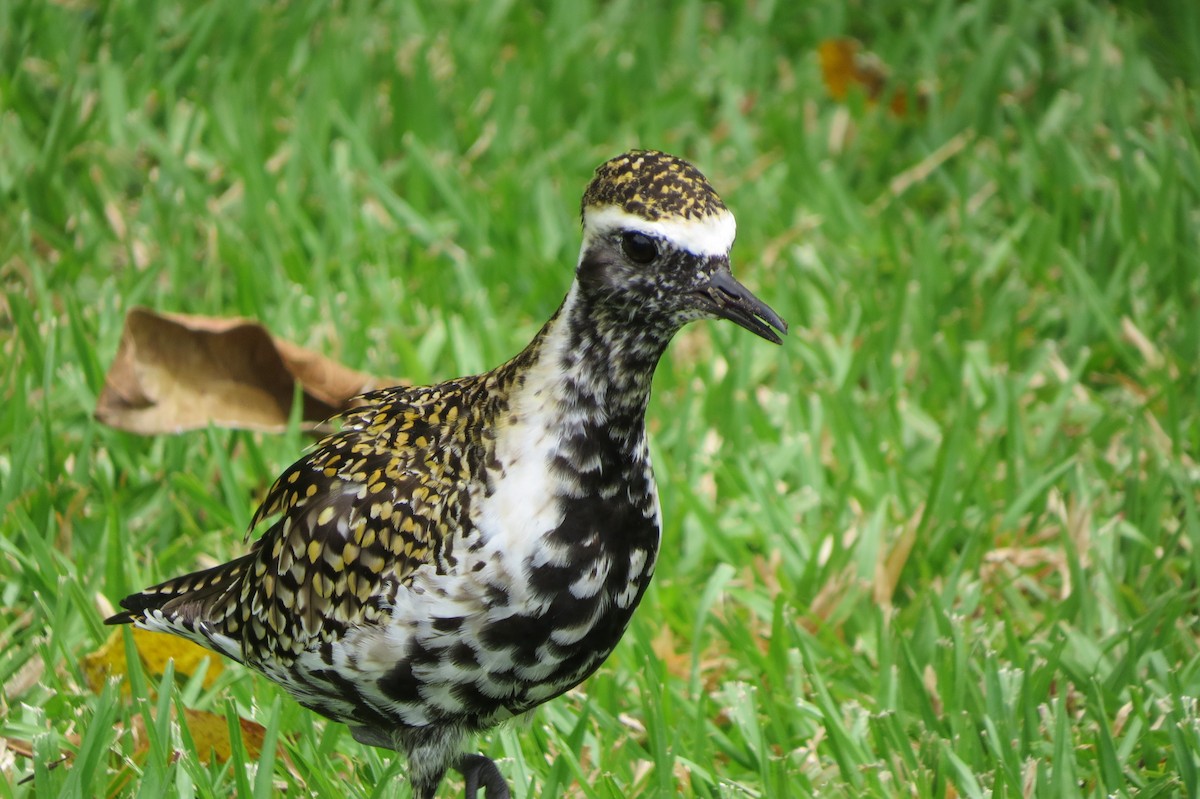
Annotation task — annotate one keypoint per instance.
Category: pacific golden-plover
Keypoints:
(458, 554)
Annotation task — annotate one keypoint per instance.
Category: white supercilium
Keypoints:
(709, 235)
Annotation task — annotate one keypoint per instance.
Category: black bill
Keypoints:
(730, 300)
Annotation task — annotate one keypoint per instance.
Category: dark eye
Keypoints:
(638, 247)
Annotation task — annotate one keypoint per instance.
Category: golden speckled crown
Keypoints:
(653, 185)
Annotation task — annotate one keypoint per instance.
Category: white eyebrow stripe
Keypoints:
(710, 235)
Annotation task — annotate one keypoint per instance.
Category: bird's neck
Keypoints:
(593, 363)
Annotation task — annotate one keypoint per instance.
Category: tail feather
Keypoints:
(196, 606)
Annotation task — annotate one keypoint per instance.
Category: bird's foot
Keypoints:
(481, 772)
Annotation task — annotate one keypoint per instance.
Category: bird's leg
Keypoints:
(481, 772)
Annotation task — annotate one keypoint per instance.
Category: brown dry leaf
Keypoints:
(17, 746)
(891, 562)
(845, 65)
(11, 748)
(676, 658)
(28, 675)
(176, 372)
(829, 599)
(154, 649)
(211, 735)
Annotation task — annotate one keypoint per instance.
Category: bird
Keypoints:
(455, 555)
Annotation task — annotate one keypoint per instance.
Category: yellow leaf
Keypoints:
(157, 648)
(154, 650)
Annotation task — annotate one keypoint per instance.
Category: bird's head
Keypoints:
(656, 241)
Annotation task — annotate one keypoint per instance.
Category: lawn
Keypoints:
(944, 542)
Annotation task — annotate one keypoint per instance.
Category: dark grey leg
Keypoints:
(481, 772)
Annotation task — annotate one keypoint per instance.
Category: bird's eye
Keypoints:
(638, 247)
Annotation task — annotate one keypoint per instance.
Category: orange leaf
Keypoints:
(176, 372)
(844, 66)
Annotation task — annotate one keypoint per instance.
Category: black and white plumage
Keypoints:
(458, 554)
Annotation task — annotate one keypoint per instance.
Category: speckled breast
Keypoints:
(544, 581)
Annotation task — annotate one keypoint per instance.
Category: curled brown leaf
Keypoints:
(177, 372)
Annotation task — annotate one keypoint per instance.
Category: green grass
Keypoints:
(945, 542)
